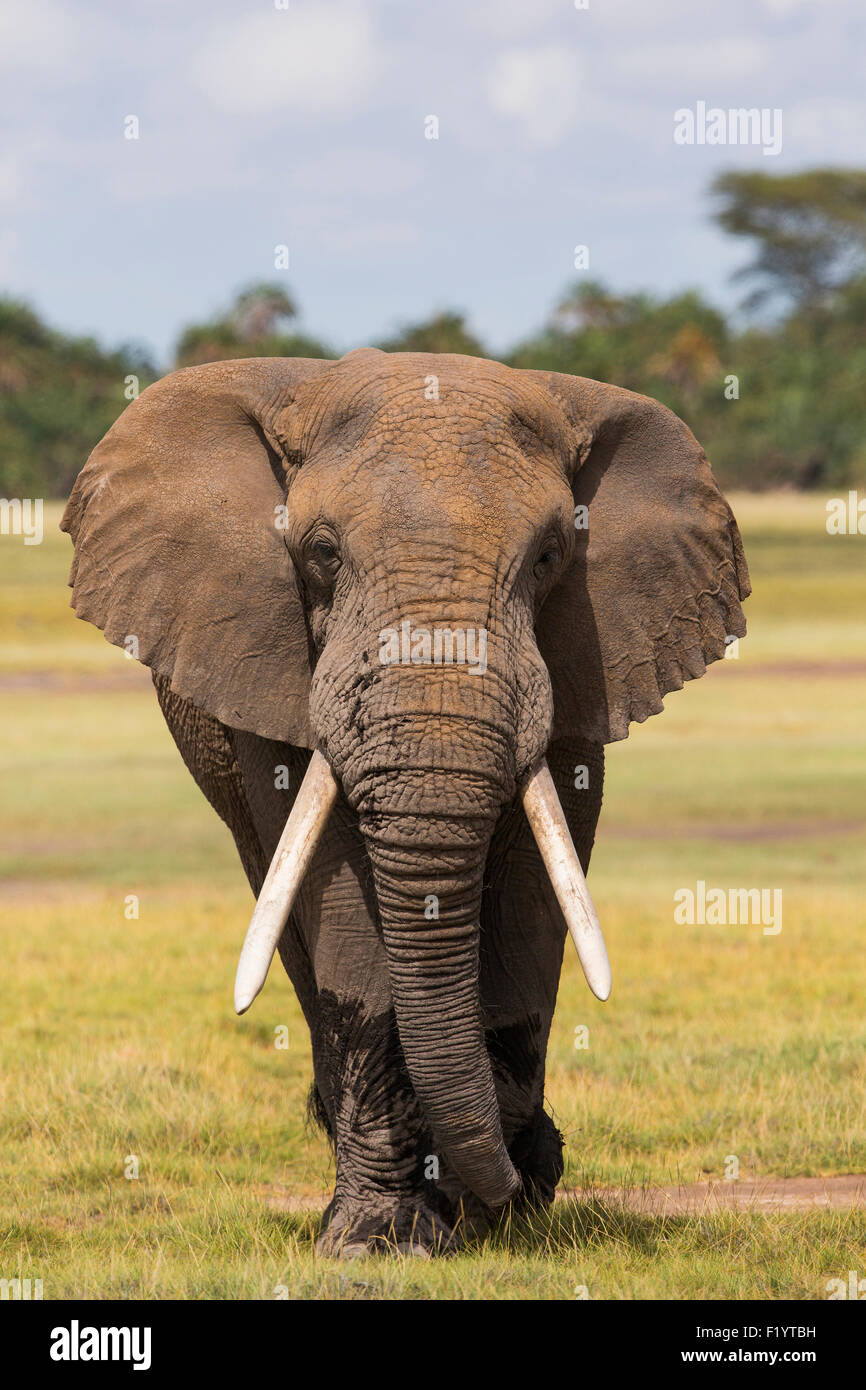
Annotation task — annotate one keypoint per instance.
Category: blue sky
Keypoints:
(305, 127)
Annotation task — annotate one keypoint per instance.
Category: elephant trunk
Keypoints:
(427, 870)
(427, 757)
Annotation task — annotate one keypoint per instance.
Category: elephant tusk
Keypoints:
(303, 830)
(547, 820)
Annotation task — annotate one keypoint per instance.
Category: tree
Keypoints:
(810, 229)
(249, 328)
(688, 361)
(589, 304)
(444, 332)
(259, 309)
(58, 396)
(671, 348)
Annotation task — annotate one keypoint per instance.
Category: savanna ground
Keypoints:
(120, 1046)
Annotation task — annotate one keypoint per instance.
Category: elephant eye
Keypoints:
(545, 562)
(320, 561)
(323, 550)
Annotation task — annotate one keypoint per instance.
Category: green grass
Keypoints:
(119, 1039)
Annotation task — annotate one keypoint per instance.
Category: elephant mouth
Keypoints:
(303, 830)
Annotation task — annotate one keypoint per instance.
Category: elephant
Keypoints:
(286, 540)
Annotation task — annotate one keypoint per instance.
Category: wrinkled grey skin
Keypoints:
(425, 946)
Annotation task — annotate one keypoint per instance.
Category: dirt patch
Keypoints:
(689, 1199)
(807, 670)
(76, 682)
(40, 891)
(761, 1194)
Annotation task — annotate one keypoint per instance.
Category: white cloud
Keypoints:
(338, 230)
(361, 171)
(177, 170)
(538, 88)
(35, 37)
(507, 19)
(783, 8)
(9, 242)
(320, 61)
(624, 16)
(826, 131)
(722, 60)
(11, 182)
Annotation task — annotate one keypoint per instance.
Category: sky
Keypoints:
(305, 124)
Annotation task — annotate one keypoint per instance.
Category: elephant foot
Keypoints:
(536, 1152)
(409, 1228)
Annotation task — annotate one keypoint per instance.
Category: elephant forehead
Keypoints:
(381, 374)
(428, 403)
(426, 443)
(415, 480)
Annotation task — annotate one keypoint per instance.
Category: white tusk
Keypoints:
(303, 830)
(547, 819)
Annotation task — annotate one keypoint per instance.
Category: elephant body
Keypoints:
(332, 952)
(259, 527)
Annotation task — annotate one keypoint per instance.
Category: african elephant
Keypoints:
(285, 539)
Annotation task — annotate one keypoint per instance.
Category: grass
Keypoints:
(120, 1050)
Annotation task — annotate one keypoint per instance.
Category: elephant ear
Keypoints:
(655, 588)
(179, 554)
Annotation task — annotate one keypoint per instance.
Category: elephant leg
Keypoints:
(382, 1144)
(522, 940)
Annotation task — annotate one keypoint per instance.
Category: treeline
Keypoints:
(58, 396)
(777, 399)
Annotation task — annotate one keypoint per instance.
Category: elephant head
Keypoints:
(286, 540)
